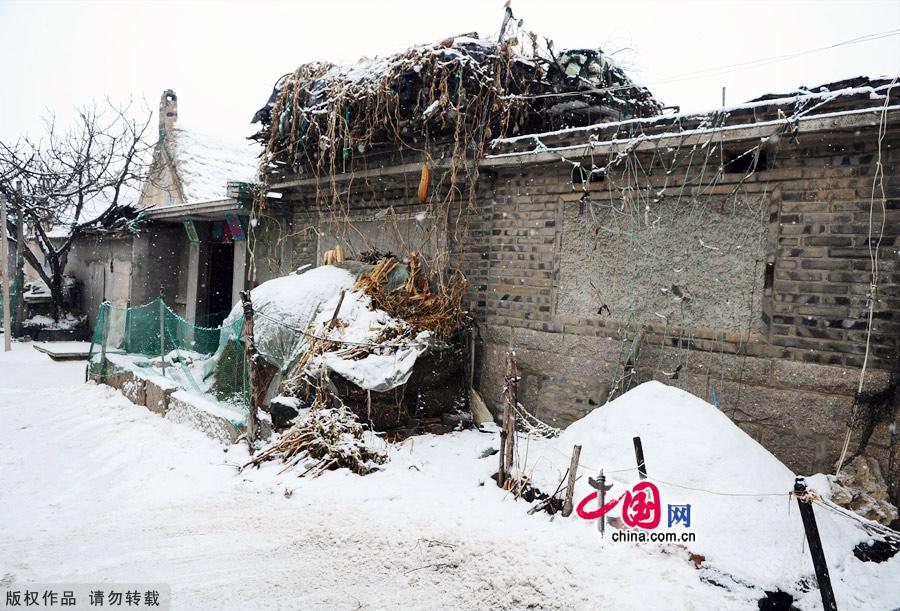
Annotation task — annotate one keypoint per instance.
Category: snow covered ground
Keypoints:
(96, 490)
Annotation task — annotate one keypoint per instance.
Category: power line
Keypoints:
(773, 59)
(716, 71)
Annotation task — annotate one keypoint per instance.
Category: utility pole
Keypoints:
(20, 262)
(4, 276)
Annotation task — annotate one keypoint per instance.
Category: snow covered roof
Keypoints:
(95, 205)
(205, 164)
(831, 100)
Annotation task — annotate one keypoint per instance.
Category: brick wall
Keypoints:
(784, 365)
(768, 320)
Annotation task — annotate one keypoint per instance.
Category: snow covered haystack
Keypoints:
(746, 524)
(316, 330)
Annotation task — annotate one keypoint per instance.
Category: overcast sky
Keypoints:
(222, 58)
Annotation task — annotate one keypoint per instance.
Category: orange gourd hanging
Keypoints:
(424, 183)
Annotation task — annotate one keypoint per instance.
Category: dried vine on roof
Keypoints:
(324, 112)
(440, 104)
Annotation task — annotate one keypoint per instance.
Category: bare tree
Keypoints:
(74, 181)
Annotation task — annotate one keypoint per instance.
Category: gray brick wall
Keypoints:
(772, 375)
(780, 354)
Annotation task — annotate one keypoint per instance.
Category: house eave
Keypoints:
(197, 211)
(844, 120)
(847, 120)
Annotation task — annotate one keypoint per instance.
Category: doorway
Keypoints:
(221, 275)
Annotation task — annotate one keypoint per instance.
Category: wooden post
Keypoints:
(253, 370)
(601, 497)
(337, 310)
(470, 374)
(20, 262)
(162, 329)
(501, 471)
(513, 402)
(4, 277)
(639, 456)
(815, 545)
(104, 334)
(510, 437)
(570, 486)
(127, 335)
(509, 413)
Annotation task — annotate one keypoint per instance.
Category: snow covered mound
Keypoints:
(295, 309)
(288, 302)
(745, 523)
(386, 363)
(685, 440)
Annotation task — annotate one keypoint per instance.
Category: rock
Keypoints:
(861, 488)
(437, 386)
(156, 393)
(283, 411)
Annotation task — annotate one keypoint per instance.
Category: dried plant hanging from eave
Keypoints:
(441, 104)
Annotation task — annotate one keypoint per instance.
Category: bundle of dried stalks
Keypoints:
(414, 303)
(323, 439)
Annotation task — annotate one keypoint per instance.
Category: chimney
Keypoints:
(168, 112)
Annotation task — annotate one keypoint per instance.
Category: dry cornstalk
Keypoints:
(328, 438)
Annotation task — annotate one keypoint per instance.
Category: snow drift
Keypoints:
(746, 524)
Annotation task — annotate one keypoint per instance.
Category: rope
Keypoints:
(187, 322)
(868, 525)
(719, 492)
(655, 479)
(877, 180)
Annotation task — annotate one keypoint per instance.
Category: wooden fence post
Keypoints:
(815, 545)
(5, 300)
(570, 487)
(639, 456)
(104, 335)
(501, 470)
(253, 377)
(20, 263)
(162, 329)
(600, 486)
(127, 335)
(508, 429)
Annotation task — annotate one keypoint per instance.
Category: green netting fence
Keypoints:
(153, 341)
(13, 300)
